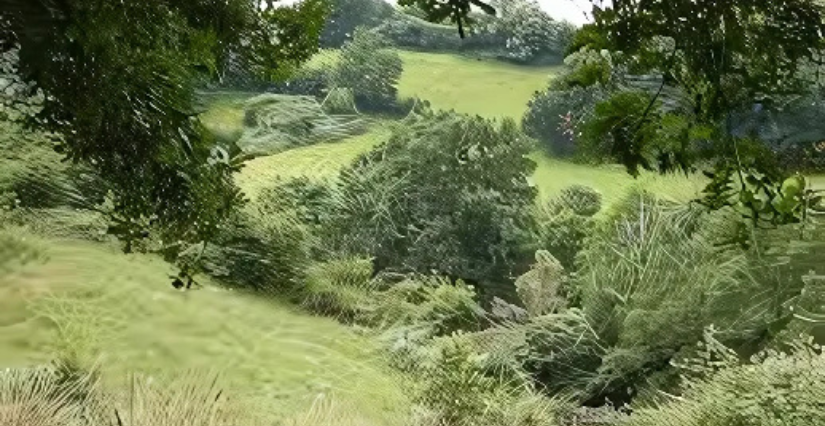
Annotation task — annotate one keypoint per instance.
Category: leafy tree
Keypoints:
(120, 77)
(370, 70)
(723, 57)
(446, 193)
(347, 15)
(528, 31)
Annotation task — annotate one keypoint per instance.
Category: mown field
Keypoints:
(448, 82)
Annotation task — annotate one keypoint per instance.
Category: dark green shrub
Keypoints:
(347, 15)
(774, 388)
(553, 117)
(579, 199)
(415, 33)
(446, 193)
(262, 252)
(566, 222)
(370, 70)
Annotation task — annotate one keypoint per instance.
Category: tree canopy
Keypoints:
(120, 79)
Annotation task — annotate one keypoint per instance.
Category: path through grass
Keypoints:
(121, 310)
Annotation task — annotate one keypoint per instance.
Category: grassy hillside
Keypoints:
(121, 310)
(485, 87)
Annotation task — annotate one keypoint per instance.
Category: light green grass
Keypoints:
(489, 88)
(122, 311)
(224, 113)
(317, 161)
(612, 181)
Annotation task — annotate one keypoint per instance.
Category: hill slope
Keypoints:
(104, 306)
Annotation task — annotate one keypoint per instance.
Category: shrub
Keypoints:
(563, 234)
(527, 32)
(341, 288)
(650, 274)
(541, 289)
(347, 15)
(415, 33)
(563, 352)
(260, 251)
(579, 199)
(553, 117)
(775, 388)
(431, 303)
(446, 193)
(459, 391)
(370, 70)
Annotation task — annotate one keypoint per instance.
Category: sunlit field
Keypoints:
(99, 306)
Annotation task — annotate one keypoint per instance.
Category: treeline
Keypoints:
(521, 31)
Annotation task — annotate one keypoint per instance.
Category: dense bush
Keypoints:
(341, 288)
(649, 273)
(347, 15)
(579, 199)
(265, 249)
(521, 32)
(370, 70)
(527, 32)
(566, 221)
(446, 193)
(415, 33)
(461, 392)
(553, 117)
(774, 388)
(432, 305)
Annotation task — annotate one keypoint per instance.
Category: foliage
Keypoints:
(339, 288)
(723, 57)
(273, 123)
(579, 199)
(528, 32)
(556, 115)
(347, 15)
(650, 274)
(563, 234)
(415, 33)
(370, 70)
(431, 305)
(759, 197)
(120, 92)
(446, 193)
(773, 388)
(566, 221)
(541, 289)
(459, 392)
(457, 11)
(264, 249)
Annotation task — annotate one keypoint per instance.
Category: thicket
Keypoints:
(446, 193)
